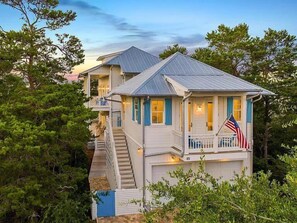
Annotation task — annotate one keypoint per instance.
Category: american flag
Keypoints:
(233, 125)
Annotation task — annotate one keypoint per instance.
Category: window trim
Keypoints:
(158, 99)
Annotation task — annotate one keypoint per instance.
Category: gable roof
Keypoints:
(132, 60)
(187, 72)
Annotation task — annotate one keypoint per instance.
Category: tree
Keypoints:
(227, 49)
(32, 55)
(172, 50)
(43, 174)
(198, 197)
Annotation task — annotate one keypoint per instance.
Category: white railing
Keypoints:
(112, 162)
(177, 139)
(201, 141)
(227, 140)
(98, 101)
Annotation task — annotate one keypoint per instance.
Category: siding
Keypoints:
(123, 198)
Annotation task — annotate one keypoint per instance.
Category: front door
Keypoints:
(209, 114)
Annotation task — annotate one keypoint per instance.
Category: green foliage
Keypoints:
(198, 197)
(172, 50)
(32, 55)
(227, 49)
(43, 166)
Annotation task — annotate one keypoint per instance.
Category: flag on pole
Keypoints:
(233, 125)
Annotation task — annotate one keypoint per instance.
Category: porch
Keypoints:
(203, 117)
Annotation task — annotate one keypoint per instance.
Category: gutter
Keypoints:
(184, 122)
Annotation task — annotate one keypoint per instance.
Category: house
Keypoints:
(173, 115)
(113, 70)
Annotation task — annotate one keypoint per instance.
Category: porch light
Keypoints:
(198, 108)
(139, 150)
(174, 158)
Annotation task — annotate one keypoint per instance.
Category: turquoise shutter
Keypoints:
(133, 118)
(249, 111)
(147, 112)
(139, 111)
(168, 111)
(229, 106)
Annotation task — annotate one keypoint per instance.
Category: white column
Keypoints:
(215, 121)
(185, 125)
(88, 87)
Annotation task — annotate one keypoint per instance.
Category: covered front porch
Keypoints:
(204, 117)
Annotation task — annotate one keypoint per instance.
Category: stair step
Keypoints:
(128, 185)
(122, 151)
(127, 181)
(124, 159)
(126, 172)
(125, 164)
(125, 168)
(126, 176)
(121, 148)
(120, 145)
(122, 155)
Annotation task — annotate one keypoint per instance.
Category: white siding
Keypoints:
(162, 171)
(158, 136)
(224, 169)
(123, 198)
(116, 80)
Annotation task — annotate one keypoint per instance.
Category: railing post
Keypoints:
(215, 121)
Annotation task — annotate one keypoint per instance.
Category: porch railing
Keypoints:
(206, 142)
(199, 141)
(98, 101)
(113, 171)
(227, 140)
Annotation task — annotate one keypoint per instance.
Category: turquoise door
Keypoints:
(106, 205)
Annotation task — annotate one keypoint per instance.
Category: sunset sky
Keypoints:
(106, 26)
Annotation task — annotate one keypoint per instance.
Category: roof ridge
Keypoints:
(169, 59)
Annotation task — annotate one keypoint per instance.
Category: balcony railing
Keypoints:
(205, 142)
(98, 102)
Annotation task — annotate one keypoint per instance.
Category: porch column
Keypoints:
(185, 125)
(215, 121)
(88, 87)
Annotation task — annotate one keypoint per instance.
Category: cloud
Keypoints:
(117, 22)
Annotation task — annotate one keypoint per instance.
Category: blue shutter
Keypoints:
(249, 111)
(139, 111)
(168, 111)
(147, 112)
(229, 106)
(133, 118)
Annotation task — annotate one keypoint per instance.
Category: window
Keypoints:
(158, 111)
(237, 109)
(136, 109)
(209, 116)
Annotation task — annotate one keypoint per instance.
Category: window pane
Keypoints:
(209, 116)
(160, 117)
(237, 109)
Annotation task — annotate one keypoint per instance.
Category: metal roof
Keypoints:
(134, 60)
(189, 73)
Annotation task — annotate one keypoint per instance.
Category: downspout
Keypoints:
(184, 123)
(143, 156)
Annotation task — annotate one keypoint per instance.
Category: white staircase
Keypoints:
(124, 161)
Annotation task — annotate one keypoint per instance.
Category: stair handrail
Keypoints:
(114, 154)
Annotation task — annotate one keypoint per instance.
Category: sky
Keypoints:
(106, 26)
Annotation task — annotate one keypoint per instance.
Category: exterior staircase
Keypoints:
(124, 161)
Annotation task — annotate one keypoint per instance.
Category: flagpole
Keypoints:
(223, 124)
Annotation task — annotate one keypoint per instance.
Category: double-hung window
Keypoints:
(157, 111)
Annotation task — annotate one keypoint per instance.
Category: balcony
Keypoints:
(99, 104)
(206, 143)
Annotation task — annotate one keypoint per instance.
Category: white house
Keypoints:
(113, 70)
(172, 114)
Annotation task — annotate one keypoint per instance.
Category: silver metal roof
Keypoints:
(134, 60)
(187, 72)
